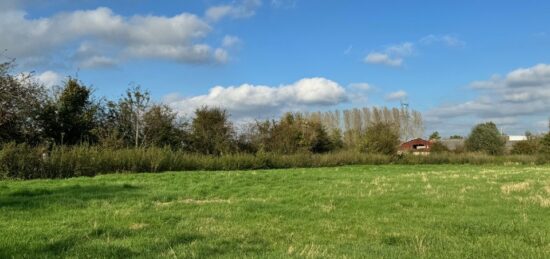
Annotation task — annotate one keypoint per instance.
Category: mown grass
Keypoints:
(391, 211)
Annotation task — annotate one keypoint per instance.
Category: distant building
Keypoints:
(511, 140)
(517, 138)
(416, 146)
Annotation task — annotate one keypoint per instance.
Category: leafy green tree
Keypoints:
(485, 137)
(71, 115)
(161, 127)
(545, 143)
(318, 139)
(435, 136)
(132, 108)
(211, 131)
(21, 99)
(122, 123)
(456, 137)
(381, 138)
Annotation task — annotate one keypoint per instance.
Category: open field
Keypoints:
(387, 211)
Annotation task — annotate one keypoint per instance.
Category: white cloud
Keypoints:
(260, 101)
(283, 3)
(221, 55)
(522, 93)
(384, 59)
(242, 9)
(230, 41)
(361, 86)
(392, 55)
(49, 78)
(401, 50)
(177, 38)
(396, 96)
(447, 39)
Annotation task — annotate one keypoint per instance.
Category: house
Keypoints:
(416, 146)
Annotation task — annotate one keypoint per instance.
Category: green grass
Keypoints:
(392, 211)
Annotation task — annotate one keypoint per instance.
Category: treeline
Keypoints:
(68, 131)
(71, 115)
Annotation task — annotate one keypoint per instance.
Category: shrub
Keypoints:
(526, 147)
(545, 145)
(438, 147)
(381, 138)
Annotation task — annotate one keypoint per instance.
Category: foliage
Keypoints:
(526, 147)
(485, 137)
(381, 138)
(456, 137)
(545, 145)
(438, 147)
(161, 128)
(212, 132)
(21, 99)
(435, 136)
(70, 116)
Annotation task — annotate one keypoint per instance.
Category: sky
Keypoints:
(458, 62)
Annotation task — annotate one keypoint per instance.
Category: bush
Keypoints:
(438, 147)
(526, 147)
(545, 145)
(381, 138)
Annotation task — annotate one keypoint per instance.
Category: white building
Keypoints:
(517, 138)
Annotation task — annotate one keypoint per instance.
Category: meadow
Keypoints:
(382, 211)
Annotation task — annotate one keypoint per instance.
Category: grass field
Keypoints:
(389, 211)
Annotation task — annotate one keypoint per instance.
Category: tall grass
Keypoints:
(25, 162)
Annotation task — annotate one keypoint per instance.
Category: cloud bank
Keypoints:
(101, 38)
(261, 101)
(510, 99)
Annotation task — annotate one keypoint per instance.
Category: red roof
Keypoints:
(416, 144)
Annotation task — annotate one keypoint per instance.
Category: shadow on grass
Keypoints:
(73, 196)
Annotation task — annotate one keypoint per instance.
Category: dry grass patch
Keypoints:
(515, 187)
(138, 226)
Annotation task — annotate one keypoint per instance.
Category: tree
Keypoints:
(122, 122)
(381, 138)
(161, 128)
(318, 139)
(211, 131)
(485, 137)
(21, 99)
(133, 106)
(435, 136)
(456, 137)
(70, 116)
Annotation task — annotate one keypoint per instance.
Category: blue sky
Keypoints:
(459, 62)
